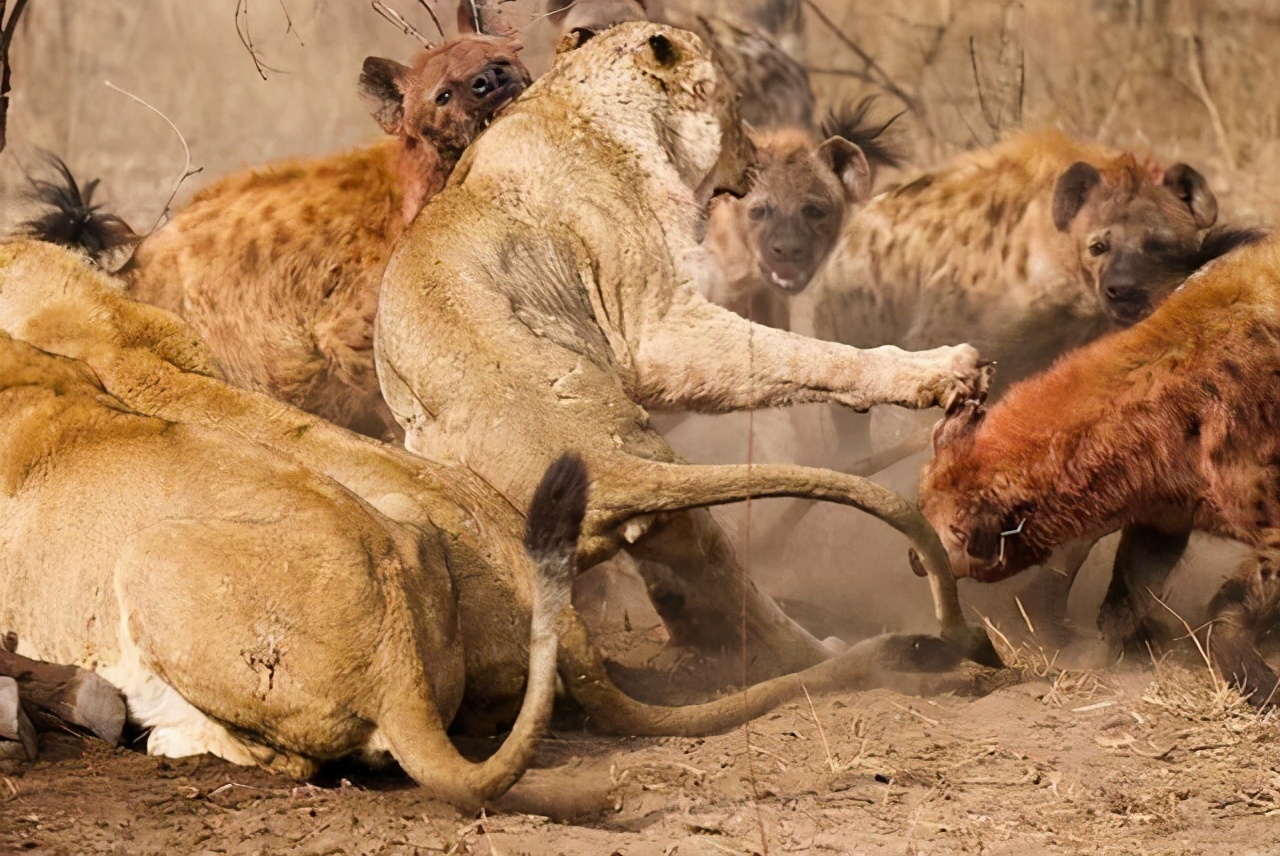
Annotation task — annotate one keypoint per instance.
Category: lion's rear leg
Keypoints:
(1243, 610)
(705, 598)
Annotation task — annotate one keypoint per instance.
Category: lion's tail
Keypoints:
(70, 219)
(420, 744)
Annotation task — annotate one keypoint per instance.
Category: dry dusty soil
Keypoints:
(1148, 760)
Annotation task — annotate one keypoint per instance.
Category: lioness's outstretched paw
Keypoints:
(957, 377)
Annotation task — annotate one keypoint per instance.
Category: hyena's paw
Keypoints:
(943, 377)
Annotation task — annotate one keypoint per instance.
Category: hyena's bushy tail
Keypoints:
(69, 218)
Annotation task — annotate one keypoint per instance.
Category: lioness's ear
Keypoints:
(849, 164)
(1191, 187)
(381, 80)
(665, 53)
(1071, 191)
(574, 39)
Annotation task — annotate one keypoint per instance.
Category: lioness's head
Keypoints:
(1139, 233)
(451, 92)
(641, 78)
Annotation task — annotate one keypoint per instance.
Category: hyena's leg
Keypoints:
(1243, 609)
(1144, 559)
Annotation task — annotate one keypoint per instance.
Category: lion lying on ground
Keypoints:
(244, 605)
(1173, 420)
(151, 363)
(547, 296)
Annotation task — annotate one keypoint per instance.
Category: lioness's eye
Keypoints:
(443, 98)
(1097, 248)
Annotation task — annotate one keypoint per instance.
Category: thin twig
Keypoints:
(6, 39)
(475, 17)
(826, 747)
(247, 40)
(392, 16)
(884, 79)
(289, 24)
(1204, 655)
(434, 19)
(1194, 64)
(187, 170)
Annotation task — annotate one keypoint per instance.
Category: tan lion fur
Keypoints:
(245, 605)
(151, 362)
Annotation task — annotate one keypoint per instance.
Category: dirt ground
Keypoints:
(1150, 756)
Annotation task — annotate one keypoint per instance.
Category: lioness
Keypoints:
(244, 605)
(556, 277)
(151, 362)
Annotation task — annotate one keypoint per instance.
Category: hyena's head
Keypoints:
(1140, 233)
(452, 92)
(799, 202)
(985, 517)
(598, 15)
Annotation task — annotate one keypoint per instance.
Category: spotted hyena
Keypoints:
(1174, 420)
(278, 267)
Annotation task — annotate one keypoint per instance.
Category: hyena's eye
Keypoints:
(443, 98)
(813, 212)
(1098, 247)
(758, 212)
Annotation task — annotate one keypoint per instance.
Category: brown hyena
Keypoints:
(278, 267)
(1175, 418)
(756, 49)
(770, 243)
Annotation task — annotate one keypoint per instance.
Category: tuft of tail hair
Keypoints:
(555, 522)
(850, 121)
(72, 220)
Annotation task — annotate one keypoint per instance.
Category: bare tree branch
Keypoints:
(187, 171)
(242, 7)
(394, 17)
(434, 19)
(881, 75)
(6, 39)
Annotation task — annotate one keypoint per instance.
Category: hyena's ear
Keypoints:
(468, 17)
(382, 80)
(849, 164)
(1071, 191)
(1190, 186)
